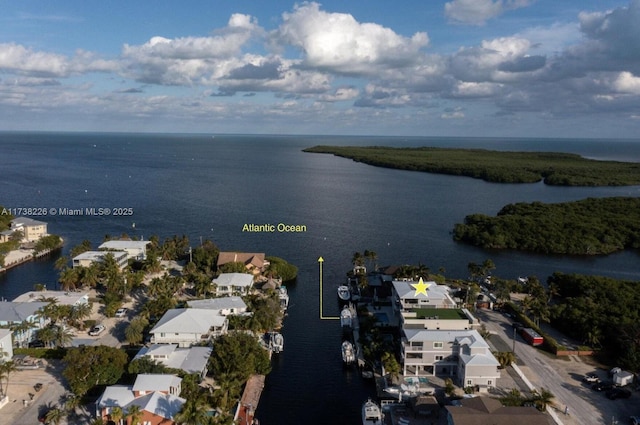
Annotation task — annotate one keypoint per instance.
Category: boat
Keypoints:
(371, 413)
(348, 353)
(343, 293)
(283, 295)
(346, 316)
(277, 342)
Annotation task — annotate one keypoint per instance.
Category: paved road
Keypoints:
(562, 377)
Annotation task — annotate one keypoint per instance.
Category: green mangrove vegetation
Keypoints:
(560, 169)
(593, 226)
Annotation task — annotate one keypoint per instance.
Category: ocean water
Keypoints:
(209, 187)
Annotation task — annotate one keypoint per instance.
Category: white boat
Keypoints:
(346, 316)
(348, 353)
(343, 293)
(371, 414)
(277, 342)
(283, 295)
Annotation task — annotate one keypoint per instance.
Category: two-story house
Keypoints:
(190, 360)
(156, 395)
(188, 326)
(224, 306)
(88, 258)
(32, 230)
(255, 263)
(136, 250)
(462, 355)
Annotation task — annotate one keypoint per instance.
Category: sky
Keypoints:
(508, 68)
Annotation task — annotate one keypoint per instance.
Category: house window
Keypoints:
(438, 358)
(437, 345)
(490, 382)
(469, 382)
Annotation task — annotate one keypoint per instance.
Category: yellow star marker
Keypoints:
(421, 287)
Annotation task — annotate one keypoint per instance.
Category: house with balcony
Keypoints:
(188, 326)
(462, 355)
(232, 284)
(155, 395)
(88, 258)
(136, 250)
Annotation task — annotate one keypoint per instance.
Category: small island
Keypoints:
(593, 226)
(558, 169)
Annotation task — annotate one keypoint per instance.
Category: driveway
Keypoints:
(562, 376)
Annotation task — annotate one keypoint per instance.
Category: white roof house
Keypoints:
(160, 406)
(136, 250)
(233, 283)
(87, 258)
(406, 296)
(61, 297)
(12, 313)
(190, 360)
(188, 326)
(31, 229)
(223, 305)
(150, 382)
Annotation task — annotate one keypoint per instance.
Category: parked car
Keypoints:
(617, 392)
(602, 386)
(96, 330)
(36, 344)
(591, 378)
(121, 312)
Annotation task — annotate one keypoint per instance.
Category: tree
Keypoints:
(134, 413)
(391, 365)
(54, 416)
(6, 369)
(69, 279)
(505, 358)
(135, 331)
(449, 388)
(542, 398)
(116, 415)
(194, 411)
(238, 345)
(88, 366)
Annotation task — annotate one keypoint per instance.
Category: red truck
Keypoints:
(531, 336)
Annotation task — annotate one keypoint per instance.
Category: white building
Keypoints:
(232, 284)
(88, 258)
(136, 250)
(190, 360)
(22, 313)
(188, 326)
(223, 306)
(6, 345)
(61, 297)
(32, 230)
(462, 355)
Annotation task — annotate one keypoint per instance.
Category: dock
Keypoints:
(249, 401)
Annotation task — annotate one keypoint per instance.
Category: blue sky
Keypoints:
(521, 68)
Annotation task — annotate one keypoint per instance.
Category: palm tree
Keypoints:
(62, 336)
(90, 276)
(505, 358)
(61, 263)
(47, 335)
(6, 368)
(116, 415)
(54, 416)
(194, 411)
(542, 399)
(69, 278)
(135, 414)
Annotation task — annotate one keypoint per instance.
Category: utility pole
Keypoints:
(514, 341)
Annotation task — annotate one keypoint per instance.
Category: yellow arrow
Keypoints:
(320, 261)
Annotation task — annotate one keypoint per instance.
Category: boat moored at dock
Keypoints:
(344, 293)
(348, 353)
(346, 317)
(371, 413)
(276, 342)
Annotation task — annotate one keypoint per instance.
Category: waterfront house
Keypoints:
(24, 317)
(232, 284)
(188, 326)
(156, 395)
(61, 297)
(5, 236)
(32, 230)
(136, 250)
(255, 263)
(486, 410)
(223, 306)
(462, 355)
(190, 360)
(405, 296)
(6, 345)
(88, 258)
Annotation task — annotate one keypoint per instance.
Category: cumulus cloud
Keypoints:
(337, 42)
(477, 12)
(628, 83)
